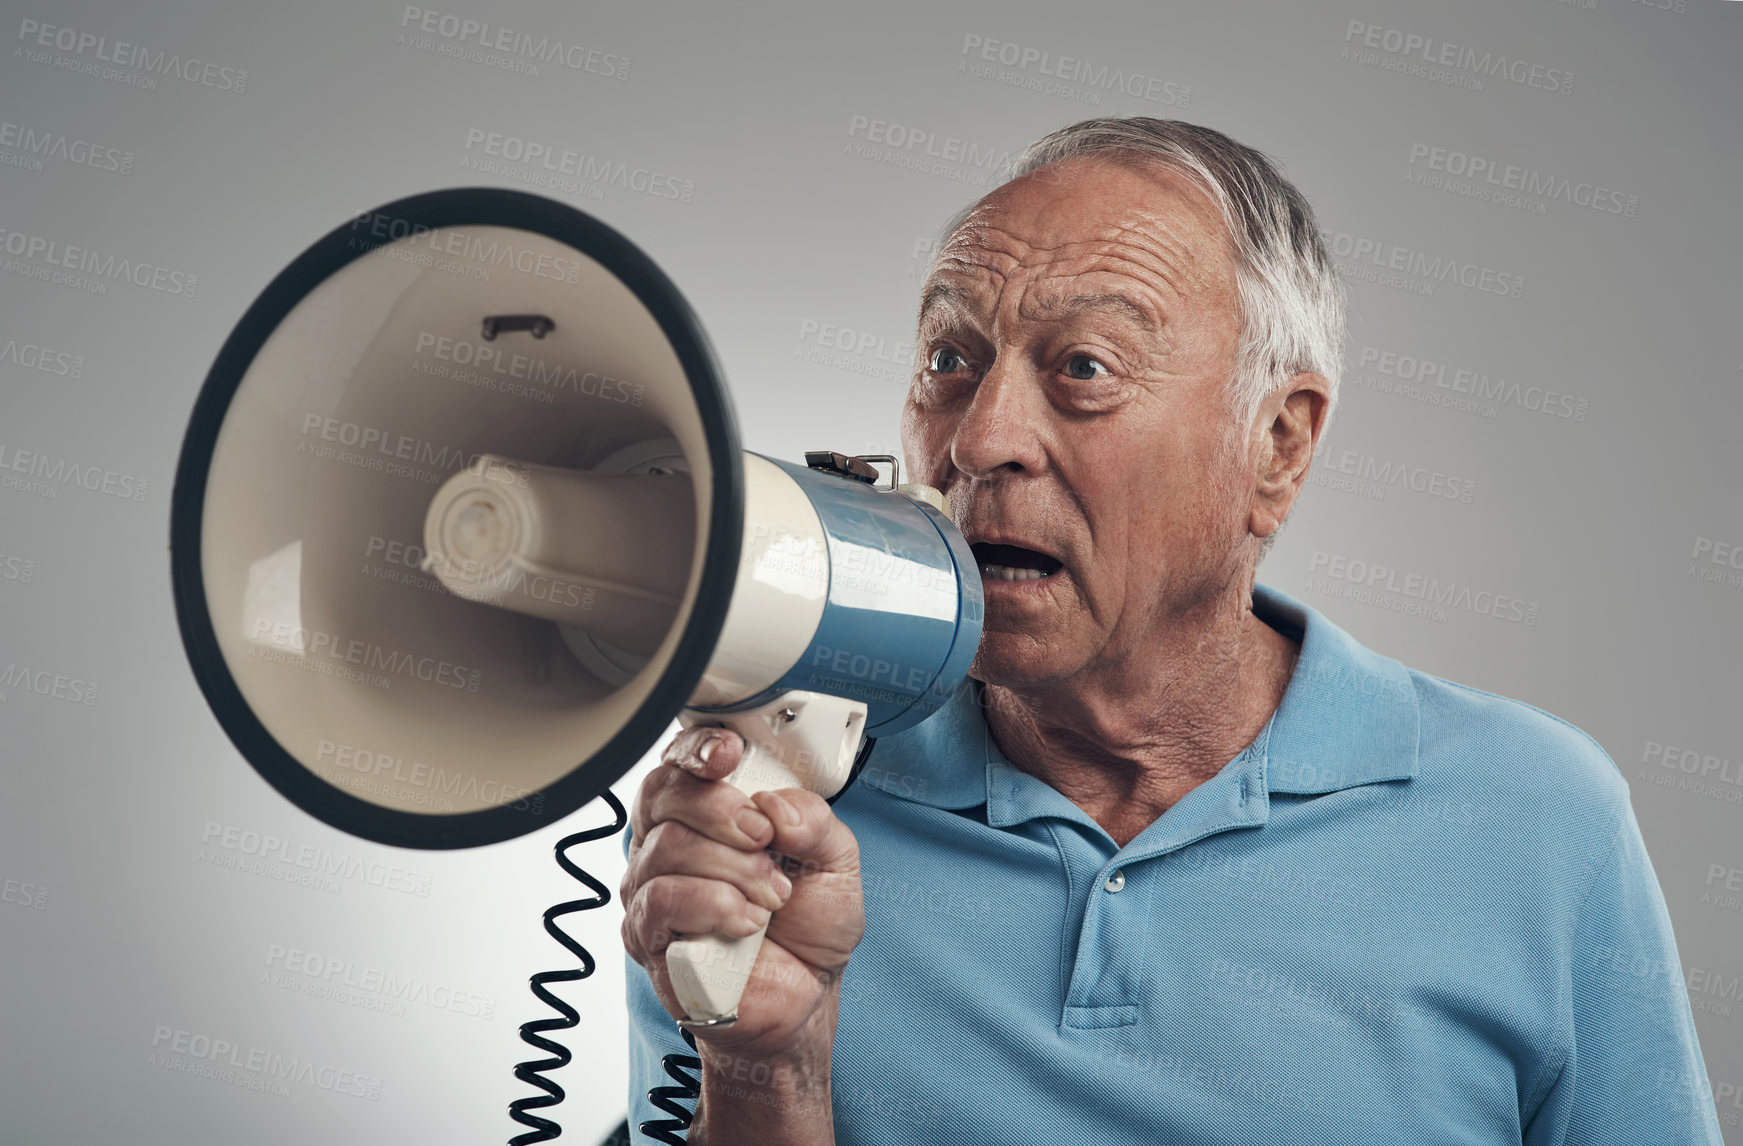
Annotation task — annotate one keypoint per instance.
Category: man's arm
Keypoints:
(743, 1100)
(1632, 1074)
(698, 866)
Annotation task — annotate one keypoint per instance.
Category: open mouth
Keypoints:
(1000, 562)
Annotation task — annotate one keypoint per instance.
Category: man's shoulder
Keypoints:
(1452, 740)
(1509, 746)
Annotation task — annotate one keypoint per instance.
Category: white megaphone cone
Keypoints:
(462, 523)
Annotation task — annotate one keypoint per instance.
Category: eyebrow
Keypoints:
(1077, 304)
(944, 295)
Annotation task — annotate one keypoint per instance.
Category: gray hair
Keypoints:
(1291, 303)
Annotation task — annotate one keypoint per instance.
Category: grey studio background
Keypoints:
(1531, 485)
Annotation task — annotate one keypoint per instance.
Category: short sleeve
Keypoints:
(1632, 1074)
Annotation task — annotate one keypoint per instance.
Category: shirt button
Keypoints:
(1115, 881)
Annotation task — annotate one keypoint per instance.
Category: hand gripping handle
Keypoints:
(798, 740)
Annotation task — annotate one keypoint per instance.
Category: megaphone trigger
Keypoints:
(796, 740)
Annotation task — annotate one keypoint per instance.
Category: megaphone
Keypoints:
(461, 523)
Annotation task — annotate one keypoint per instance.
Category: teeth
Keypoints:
(1006, 573)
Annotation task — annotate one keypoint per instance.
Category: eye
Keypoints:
(1084, 368)
(946, 360)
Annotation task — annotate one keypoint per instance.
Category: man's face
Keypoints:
(1077, 340)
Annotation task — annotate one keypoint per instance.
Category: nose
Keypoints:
(1000, 432)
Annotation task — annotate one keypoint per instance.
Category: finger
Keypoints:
(671, 907)
(807, 830)
(632, 944)
(821, 855)
(626, 886)
(639, 820)
(707, 751)
(711, 807)
(676, 849)
(683, 756)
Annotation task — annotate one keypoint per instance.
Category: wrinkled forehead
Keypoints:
(1092, 218)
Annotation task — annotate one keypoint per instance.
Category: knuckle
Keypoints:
(660, 809)
(724, 898)
(673, 852)
(657, 897)
(630, 947)
(653, 782)
(705, 809)
(670, 895)
(655, 841)
(634, 925)
(810, 806)
(677, 839)
(719, 819)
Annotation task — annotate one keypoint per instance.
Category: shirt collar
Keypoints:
(1349, 717)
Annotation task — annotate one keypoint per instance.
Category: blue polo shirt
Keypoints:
(1408, 912)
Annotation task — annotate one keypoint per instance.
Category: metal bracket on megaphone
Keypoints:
(859, 467)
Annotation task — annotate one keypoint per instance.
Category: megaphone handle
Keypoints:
(798, 740)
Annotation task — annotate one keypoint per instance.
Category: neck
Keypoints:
(1127, 736)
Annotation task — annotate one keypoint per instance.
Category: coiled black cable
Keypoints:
(666, 1098)
(531, 1032)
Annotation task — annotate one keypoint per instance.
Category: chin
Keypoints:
(1015, 660)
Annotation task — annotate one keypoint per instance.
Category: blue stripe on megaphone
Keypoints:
(904, 610)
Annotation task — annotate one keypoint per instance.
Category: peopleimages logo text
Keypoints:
(512, 364)
(900, 137)
(1374, 577)
(561, 161)
(1074, 70)
(33, 356)
(35, 34)
(1526, 180)
(1457, 57)
(268, 1066)
(371, 229)
(58, 472)
(1436, 268)
(1474, 382)
(97, 264)
(465, 31)
(314, 643)
(36, 145)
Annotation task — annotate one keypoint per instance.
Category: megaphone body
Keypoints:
(850, 616)
(462, 523)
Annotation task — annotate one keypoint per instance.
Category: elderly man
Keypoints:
(1186, 864)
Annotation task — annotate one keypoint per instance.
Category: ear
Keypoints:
(1287, 429)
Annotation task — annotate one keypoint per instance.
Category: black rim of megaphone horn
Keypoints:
(324, 801)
